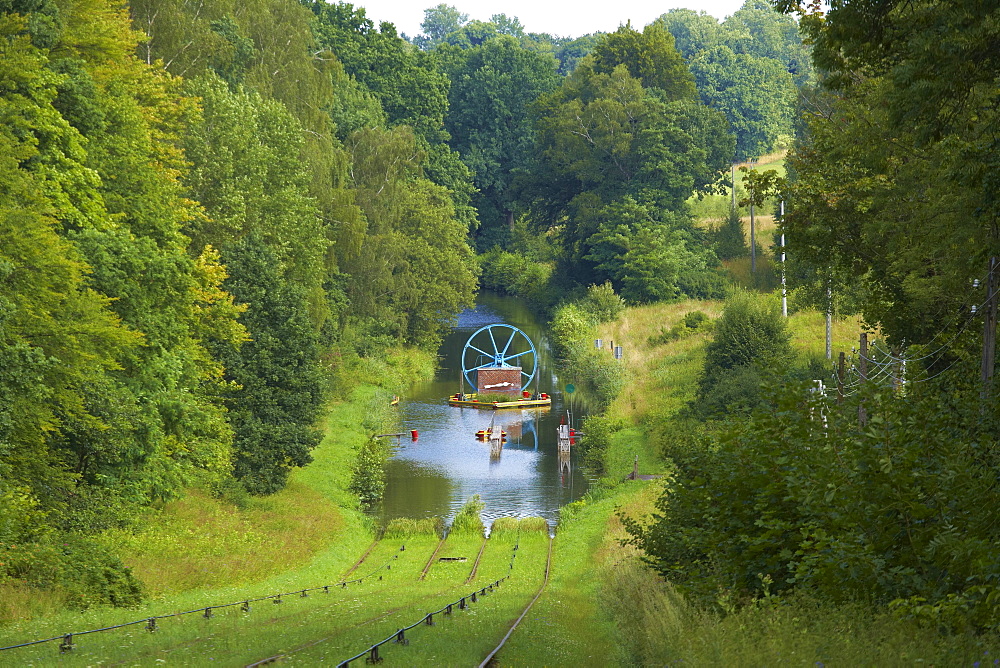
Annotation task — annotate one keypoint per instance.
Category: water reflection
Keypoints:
(521, 476)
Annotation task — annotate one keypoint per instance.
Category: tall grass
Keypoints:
(405, 527)
(657, 626)
(509, 529)
(200, 541)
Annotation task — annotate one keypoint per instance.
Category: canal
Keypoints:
(435, 475)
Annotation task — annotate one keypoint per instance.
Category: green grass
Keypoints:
(567, 626)
(404, 527)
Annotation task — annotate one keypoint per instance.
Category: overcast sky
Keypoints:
(561, 18)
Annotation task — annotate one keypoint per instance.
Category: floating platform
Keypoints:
(470, 401)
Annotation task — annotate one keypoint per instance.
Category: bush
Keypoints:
(76, 566)
(704, 284)
(602, 303)
(598, 430)
(901, 511)
(751, 343)
(572, 334)
(514, 274)
(695, 321)
(368, 475)
(469, 519)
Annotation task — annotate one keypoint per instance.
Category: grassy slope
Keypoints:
(604, 607)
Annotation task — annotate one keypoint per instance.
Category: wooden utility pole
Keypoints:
(863, 371)
(753, 243)
(784, 291)
(829, 319)
(840, 378)
(989, 327)
(734, 185)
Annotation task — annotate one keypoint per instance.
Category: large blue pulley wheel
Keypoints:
(499, 345)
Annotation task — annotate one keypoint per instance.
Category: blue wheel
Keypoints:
(500, 345)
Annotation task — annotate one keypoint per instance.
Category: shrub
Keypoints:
(695, 321)
(602, 303)
(751, 341)
(901, 511)
(598, 430)
(514, 274)
(368, 475)
(78, 567)
(469, 519)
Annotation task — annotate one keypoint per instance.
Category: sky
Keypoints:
(561, 18)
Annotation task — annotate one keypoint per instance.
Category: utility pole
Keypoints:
(863, 371)
(733, 170)
(840, 378)
(989, 327)
(784, 292)
(753, 244)
(829, 319)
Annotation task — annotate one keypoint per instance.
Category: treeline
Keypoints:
(205, 218)
(211, 211)
(589, 173)
(884, 491)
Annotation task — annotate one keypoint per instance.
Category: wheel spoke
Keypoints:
(482, 366)
(512, 357)
(509, 341)
(481, 351)
(494, 341)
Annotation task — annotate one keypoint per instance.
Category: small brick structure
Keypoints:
(499, 379)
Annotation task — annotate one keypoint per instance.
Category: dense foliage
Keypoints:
(210, 211)
(622, 143)
(193, 220)
(748, 66)
(887, 494)
(800, 496)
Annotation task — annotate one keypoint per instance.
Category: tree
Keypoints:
(275, 376)
(756, 94)
(693, 31)
(604, 136)
(641, 255)
(247, 174)
(759, 186)
(493, 86)
(648, 56)
(757, 29)
(411, 266)
(898, 162)
(405, 81)
(439, 22)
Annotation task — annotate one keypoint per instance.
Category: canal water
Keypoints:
(437, 474)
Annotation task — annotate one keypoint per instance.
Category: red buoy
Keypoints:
(413, 434)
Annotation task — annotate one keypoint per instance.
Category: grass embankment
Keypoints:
(605, 607)
(201, 550)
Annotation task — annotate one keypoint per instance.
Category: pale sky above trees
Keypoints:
(560, 18)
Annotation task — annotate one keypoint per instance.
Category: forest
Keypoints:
(215, 215)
